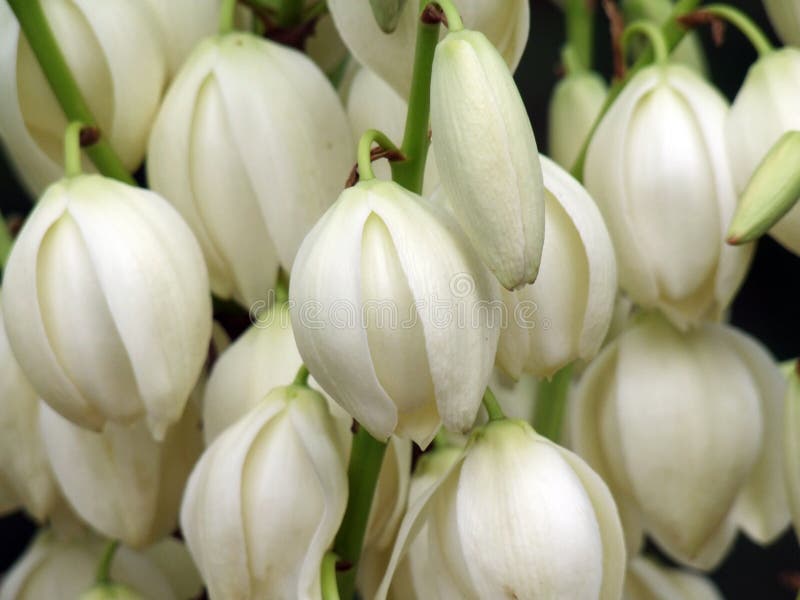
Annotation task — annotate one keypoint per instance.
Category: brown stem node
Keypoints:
(88, 136)
(701, 17)
(616, 27)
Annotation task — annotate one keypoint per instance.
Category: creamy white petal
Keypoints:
(22, 312)
(575, 103)
(417, 514)
(649, 580)
(762, 510)
(25, 476)
(215, 487)
(162, 310)
(278, 127)
(604, 177)
(791, 447)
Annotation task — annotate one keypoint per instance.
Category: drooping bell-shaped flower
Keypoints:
(266, 498)
(106, 304)
(487, 157)
(764, 109)
(120, 70)
(26, 479)
(121, 481)
(55, 567)
(515, 516)
(566, 313)
(646, 579)
(685, 428)
(394, 314)
(574, 107)
(250, 145)
(391, 57)
(658, 169)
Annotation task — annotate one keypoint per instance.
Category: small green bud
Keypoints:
(387, 13)
(771, 192)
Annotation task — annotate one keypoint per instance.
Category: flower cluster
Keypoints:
(238, 359)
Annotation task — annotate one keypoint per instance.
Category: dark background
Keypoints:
(765, 307)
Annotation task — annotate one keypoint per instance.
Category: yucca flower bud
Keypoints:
(566, 313)
(487, 157)
(26, 479)
(110, 591)
(772, 191)
(391, 57)
(574, 107)
(647, 579)
(657, 156)
(371, 103)
(106, 304)
(54, 567)
(685, 429)
(272, 491)
(516, 516)
(764, 109)
(121, 481)
(250, 145)
(785, 18)
(389, 302)
(121, 72)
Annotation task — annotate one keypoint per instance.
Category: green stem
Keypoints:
(316, 10)
(743, 23)
(34, 25)
(72, 149)
(6, 242)
(570, 61)
(290, 12)
(652, 33)
(492, 406)
(301, 378)
(673, 33)
(551, 404)
(454, 22)
(282, 287)
(369, 137)
(410, 172)
(103, 575)
(330, 590)
(579, 15)
(366, 457)
(227, 16)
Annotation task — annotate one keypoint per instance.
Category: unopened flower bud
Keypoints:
(106, 304)
(120, 70)
(506, 24)
(574, 106)
(765, 108)
(685, 429)
(516, 516)
(250, 145)
(394, 314)
(271, 490)
(771, 192)
(657, 156)
(566, 313)
(487, 157)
